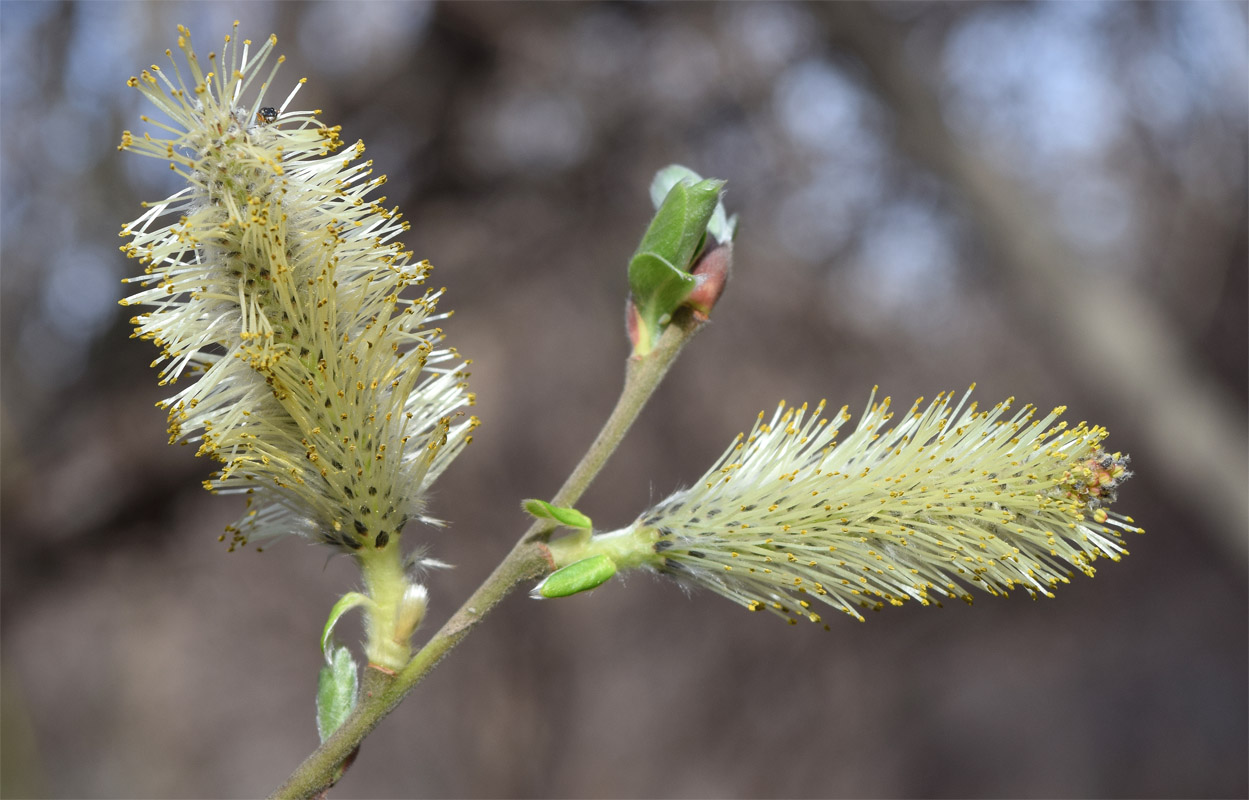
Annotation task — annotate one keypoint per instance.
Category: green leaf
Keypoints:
(337, 687)
(664, 288)
(668, 177)
(721, 226)
(679, 225)
(659, 270)
(344, 604)
(577, 577)
(564, 516)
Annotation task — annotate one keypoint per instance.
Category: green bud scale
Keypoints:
(580, 576)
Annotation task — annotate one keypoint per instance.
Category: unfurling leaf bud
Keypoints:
(660, 276)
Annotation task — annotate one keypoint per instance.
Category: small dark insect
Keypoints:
(266, 115)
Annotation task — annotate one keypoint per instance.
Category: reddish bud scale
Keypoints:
(713, 270)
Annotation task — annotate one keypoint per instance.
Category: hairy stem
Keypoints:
(385, 579)
(529, 559)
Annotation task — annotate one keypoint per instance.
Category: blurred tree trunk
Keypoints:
(1191, 431)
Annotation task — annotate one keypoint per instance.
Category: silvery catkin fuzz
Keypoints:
(273, 282)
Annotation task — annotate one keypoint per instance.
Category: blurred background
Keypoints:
(1046, 199)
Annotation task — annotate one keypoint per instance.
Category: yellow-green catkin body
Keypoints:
(274, 282)
(946, 499)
